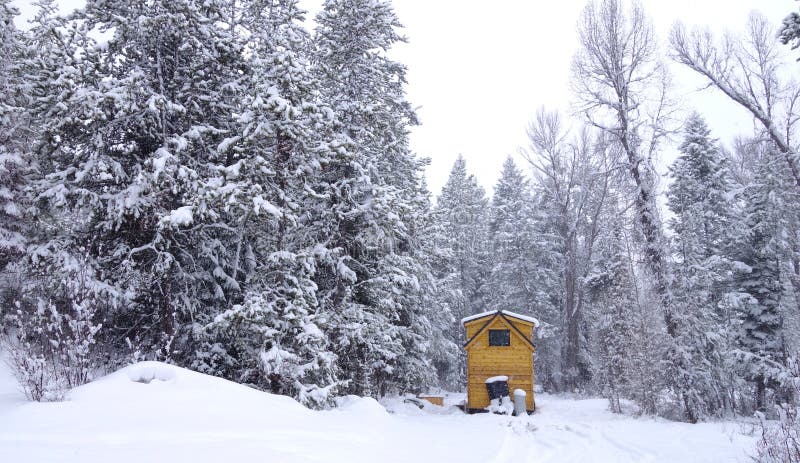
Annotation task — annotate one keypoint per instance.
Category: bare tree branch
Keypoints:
(622, 88)
(746, 70)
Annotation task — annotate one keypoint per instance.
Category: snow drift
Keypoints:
(155, 412)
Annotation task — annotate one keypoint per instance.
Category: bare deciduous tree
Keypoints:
(622, 90)
(574, 175)
(747, 70)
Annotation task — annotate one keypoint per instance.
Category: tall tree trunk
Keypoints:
(572, 322)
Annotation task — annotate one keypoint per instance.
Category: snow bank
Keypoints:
(364, 407)
(147, 372)
(170, 388)
(414, 406)
(10, 393)
(152, 412)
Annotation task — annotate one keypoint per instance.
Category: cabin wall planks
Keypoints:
(485, 360)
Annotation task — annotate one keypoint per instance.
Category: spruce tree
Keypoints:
(131, 131)
(700, 198)
(445, 352)
(611, 289)
(463, 210)
(628, 345)
(59, 307)
(369, 280)
(15, 135)
(15, 161)
(761, 337)
(462, 214)
(519, 280)
(271, 330)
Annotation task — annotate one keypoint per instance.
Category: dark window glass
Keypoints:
(499, 338)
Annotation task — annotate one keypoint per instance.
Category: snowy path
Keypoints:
(184, 416)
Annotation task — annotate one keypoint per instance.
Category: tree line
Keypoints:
(213, 185)
(209, 183)
(689, 308)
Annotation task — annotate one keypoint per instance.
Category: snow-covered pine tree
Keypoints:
(525, 265)
(611, 289)
(369, 285)
(703, 225)
(271, 335)
(549, 266)
(761, 338)
(747, 155)
(14, 138)
(60, 300)
(367, 87)
(52, 71)
(462, 215)
(463, 209)
(16, 163)
(627, 343)
(426, 316)
(130, 127)
(438, 298)
(789, 32)
(520, 277)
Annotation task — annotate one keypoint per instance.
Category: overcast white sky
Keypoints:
(479, 70)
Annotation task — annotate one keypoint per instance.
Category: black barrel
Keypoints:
(497, 389)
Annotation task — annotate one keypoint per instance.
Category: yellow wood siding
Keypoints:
(434, 399)
(484, 361)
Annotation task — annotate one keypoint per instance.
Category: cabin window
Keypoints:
(499, 338)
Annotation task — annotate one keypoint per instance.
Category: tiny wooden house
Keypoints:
(499, 343)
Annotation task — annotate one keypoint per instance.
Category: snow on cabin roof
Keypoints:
(505, 312)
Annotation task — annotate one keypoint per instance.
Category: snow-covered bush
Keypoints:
(780, 442)
(50, 340)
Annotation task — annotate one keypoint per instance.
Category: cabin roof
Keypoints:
(508, 314)
(505, 316)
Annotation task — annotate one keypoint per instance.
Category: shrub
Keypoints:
(50, 341)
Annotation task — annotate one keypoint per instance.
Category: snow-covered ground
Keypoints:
(151, 412)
